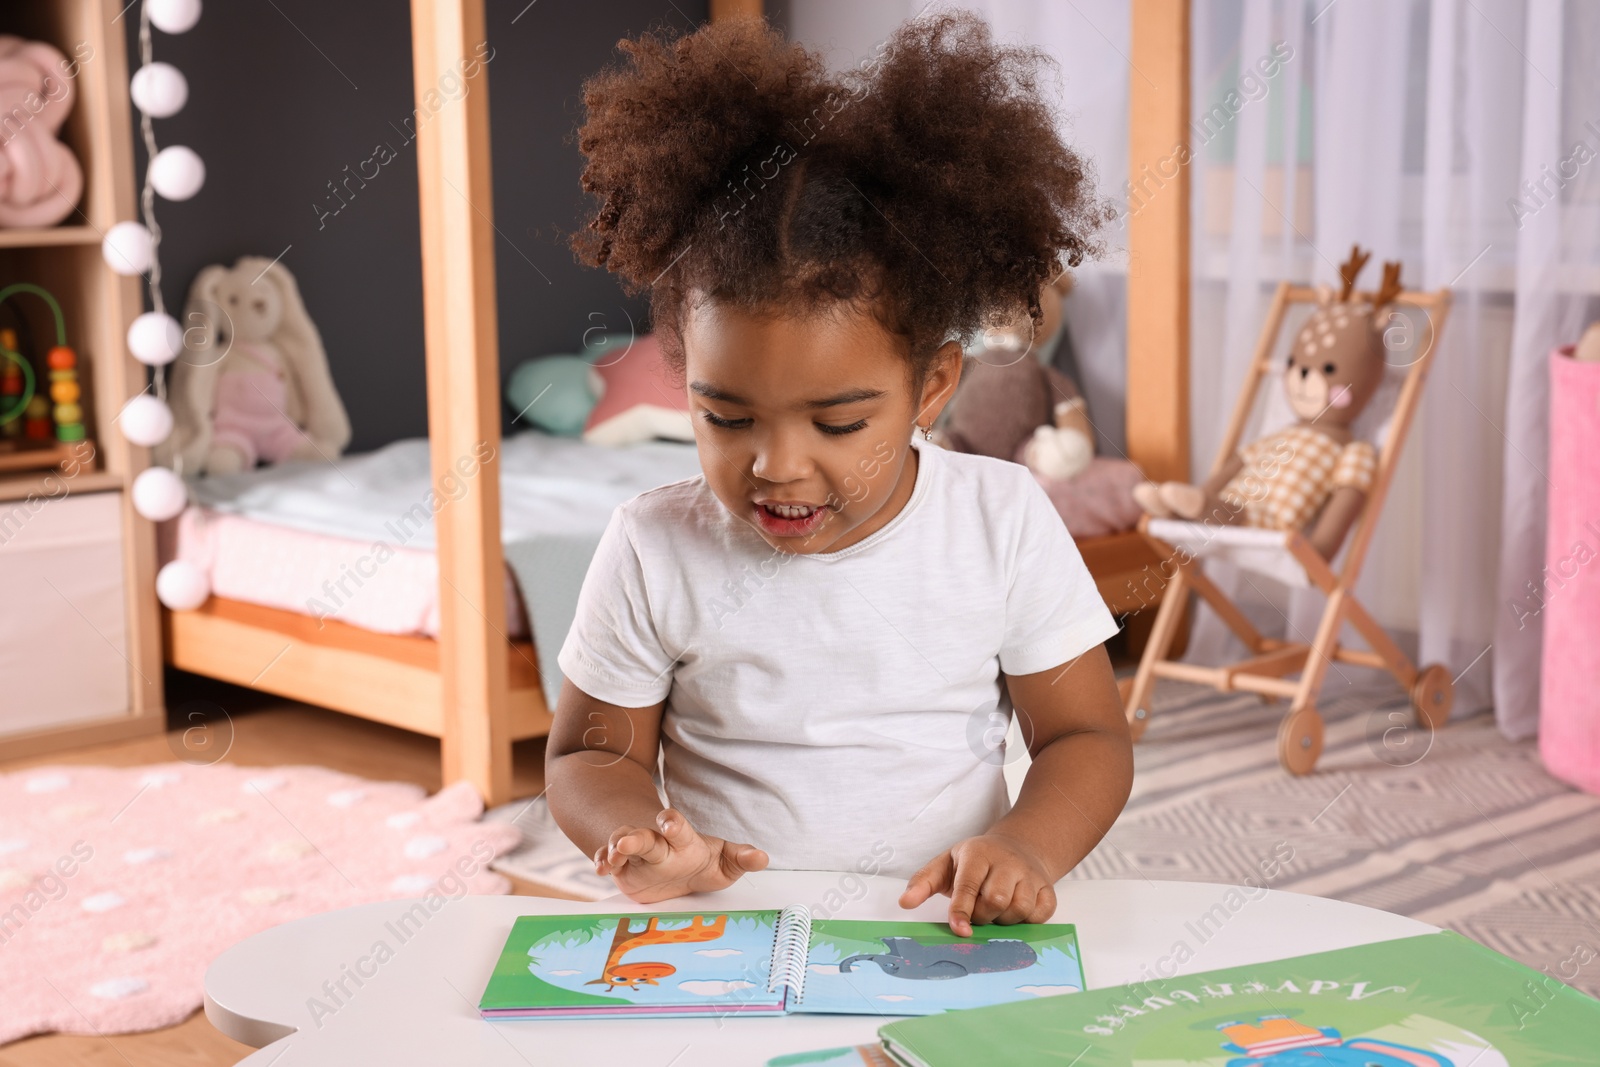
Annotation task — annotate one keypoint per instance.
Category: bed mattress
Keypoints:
(389, 590)
(354, 540)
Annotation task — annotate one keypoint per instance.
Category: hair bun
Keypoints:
(671, 128)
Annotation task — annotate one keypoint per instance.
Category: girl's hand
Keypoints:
(989, 879)
(657, 864)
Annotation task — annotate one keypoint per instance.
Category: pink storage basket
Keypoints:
(1569, 713)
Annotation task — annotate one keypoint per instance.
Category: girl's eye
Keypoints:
(859, 424)
(726, 424)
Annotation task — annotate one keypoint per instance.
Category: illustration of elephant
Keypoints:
(909, 958)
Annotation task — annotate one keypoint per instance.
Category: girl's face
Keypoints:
(804, 425)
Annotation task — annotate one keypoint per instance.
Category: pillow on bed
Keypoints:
(639, 403)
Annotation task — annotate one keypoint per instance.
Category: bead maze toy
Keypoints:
(39, 429)
(16, 385)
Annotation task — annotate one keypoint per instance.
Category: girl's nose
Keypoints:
(780, 459)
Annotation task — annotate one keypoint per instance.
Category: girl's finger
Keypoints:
(1044, 908)
(933, 878)
(1024, 904)
(675, 828)
(612, 859)
(965, 884)
(646, 846)
(995, 895)
(755, 859)
(734, 860)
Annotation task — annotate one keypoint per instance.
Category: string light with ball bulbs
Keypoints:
(155, 339)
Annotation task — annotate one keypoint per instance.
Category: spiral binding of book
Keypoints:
(791, 942)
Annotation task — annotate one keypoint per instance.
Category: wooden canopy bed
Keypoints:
(473, 687)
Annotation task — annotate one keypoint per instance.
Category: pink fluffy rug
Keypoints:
(119, 885)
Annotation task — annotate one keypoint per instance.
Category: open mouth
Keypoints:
(782, 519)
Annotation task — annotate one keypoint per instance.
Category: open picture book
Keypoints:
(769, 963)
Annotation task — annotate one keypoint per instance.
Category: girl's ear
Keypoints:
(939, 384)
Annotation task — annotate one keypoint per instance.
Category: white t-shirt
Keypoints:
(828, 708)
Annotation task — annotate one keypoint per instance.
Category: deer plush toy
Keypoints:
(1313, 475)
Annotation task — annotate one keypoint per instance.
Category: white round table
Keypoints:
(347, 988)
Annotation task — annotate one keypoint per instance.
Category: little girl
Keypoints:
(814, 646)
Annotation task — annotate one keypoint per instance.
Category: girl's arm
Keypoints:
(599, 767)
(599, 771)
(1075, 728)
(1073, 723)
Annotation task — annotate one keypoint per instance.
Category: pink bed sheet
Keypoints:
(390, 590)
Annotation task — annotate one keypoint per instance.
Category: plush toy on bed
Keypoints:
(1010, 405)
(1013, 405)
(252, 385)
(619, 393)
(1314, 475)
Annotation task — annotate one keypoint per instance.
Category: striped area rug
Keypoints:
(1462, 829)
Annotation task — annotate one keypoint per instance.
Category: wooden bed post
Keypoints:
(1157, 417)
(458, 298)
(1158, 239)
(722, 9)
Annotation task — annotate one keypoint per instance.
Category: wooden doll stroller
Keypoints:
(1288, 557)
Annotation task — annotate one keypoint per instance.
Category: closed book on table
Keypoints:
(1436, 1000)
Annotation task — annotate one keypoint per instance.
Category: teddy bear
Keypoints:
(253, 384)
(1012, 406)
(1314, 475)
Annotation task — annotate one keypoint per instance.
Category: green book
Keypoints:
(1437, 1000)
(769, 963)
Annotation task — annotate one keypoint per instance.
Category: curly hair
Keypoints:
(930, 186)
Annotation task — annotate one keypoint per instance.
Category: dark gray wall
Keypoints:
(283, 96)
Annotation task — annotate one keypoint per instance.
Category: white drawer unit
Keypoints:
(80, 626)
(63, 612)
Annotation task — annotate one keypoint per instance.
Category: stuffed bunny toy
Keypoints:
(252, 384)
(1012, 406)
(1314, 475)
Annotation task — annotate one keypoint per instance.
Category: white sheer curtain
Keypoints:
(1426, 119)
(1459, 136)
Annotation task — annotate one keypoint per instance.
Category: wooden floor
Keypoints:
(266, 731)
